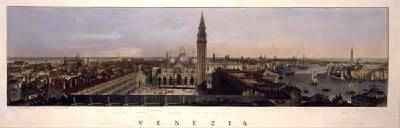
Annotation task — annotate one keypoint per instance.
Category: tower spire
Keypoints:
(351, 55)
(201, 52)
(202, 35)
(202, 20)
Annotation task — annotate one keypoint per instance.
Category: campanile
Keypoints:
(201, 52)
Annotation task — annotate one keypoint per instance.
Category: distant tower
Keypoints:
(213, 57)
(78, 60)
(166, 55)
(351, 55)
(77, 56)
(201, 52)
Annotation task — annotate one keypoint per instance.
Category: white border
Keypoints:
(257, 117)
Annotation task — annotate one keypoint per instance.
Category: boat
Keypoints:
(314, 80)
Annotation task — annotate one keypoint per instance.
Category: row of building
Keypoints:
(27, 81)
(358, 72)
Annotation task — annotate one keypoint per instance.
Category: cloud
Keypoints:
(97, 36)
(319, 32)
(123, 52)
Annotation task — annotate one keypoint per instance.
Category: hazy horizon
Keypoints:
(151, 32)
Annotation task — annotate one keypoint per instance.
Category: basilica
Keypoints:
(181, 71)
(186, 72)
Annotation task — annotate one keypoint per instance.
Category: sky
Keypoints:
(151, 32)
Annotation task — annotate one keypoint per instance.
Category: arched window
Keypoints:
(159, 81)
(170, 81)
(185, 80)
(164, 80)
(191, 80)
(179, 79)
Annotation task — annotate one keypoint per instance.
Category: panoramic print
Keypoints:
(103, 56)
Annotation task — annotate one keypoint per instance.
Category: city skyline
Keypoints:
(151, 32)
(189, 80)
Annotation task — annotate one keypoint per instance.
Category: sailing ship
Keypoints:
(314, 80)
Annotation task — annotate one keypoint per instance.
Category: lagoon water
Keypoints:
(302, 80)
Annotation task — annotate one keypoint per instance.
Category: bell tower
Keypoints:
(201, 52)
